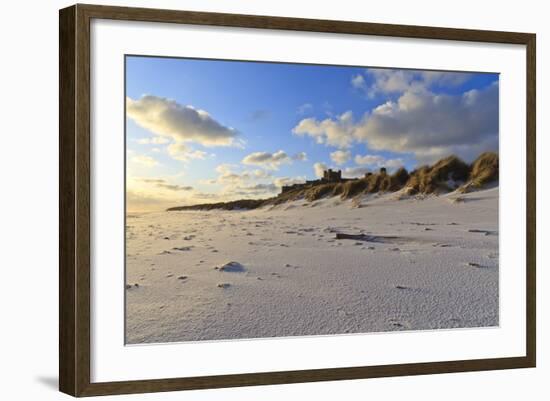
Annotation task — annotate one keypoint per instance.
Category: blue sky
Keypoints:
(210, 130)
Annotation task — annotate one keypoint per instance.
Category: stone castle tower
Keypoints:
(332, 176)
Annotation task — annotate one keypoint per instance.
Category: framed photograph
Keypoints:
(249, 200)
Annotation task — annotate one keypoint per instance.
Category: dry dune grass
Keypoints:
(441, 177)
(434, 179)
(353, 188)
(319, 191)
(484, 170)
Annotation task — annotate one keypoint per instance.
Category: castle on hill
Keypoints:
(329, 176)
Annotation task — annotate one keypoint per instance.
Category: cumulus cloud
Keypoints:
(161, 183)
(144, 160)
(260, 174)
(388, 81)
(257, 189)
(167, 118)
(340, 156)
(392, 164)
(157, 140)
(319, 169)
(426, 124)
(282, 181)
(369, 159)
(431, 125)
(355, 172)
(444, 78)
(378, 161)
(228, 175)
(267, 159)
(182, 152)
(301, 156)
(336, 132)
(358, 81)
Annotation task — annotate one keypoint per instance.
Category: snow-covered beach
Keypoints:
(421, 264)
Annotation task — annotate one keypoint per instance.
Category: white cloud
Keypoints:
(163, 184)
(156, 140)
(444, 78)
(267, 159)
(358, 81)
(428, 125)
(224, 168)
(180, 151)
(152, 193)
(282, 181)
(245, 183)
(261, 174)
(432, 126)
(229, 176)
(379, 161)
(392, 164)
(144, 160)
(301, 156)
(319, 169)
(388, 81)
(340, 156)
(334, 132)
(167, 118)
(354, 172)
(369, 159)
(257, 189)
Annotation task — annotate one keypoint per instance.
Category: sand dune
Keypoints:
(289, 269)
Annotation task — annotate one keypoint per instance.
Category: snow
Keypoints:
(424, 264)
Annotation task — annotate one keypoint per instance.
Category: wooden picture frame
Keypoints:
(74, 199)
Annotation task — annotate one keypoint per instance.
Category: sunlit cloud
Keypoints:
(161, 183)
(425, 124)
(167, 118)
(301, 156)
(267, 159)
(340, 156)
(144, 160)
(156, 140)
(283, 181)
(319, 169)
(182, 152)
(385, 81)
(336, 132)
(355, 172)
